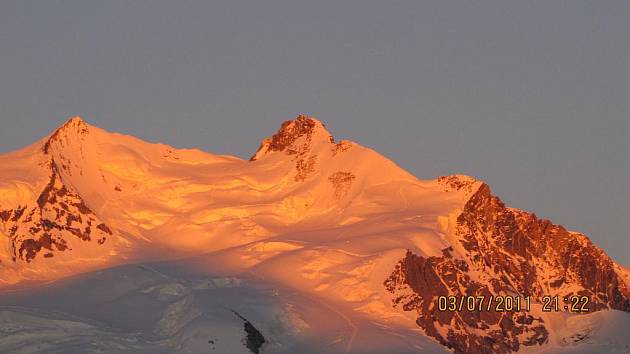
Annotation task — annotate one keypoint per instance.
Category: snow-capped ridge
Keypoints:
(75, 127)
(458, 182)
(335, 221)
(295, 137)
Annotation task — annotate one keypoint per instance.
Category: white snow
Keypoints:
(598, 332)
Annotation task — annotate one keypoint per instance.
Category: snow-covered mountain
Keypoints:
(312, 233)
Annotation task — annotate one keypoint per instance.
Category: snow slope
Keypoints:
(179, 202)
(162, 308)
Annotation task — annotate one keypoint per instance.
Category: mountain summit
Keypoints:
(295, 137)
(73, 128)
(334, 221)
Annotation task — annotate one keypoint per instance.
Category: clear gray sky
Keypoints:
(531, 96)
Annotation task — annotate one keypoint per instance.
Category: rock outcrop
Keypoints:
(294, 137)
(502, 252)
(45, 225)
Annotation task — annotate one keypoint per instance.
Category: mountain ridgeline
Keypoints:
(503, 251)
(351, 225)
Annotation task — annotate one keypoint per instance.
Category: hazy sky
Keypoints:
(530, 96)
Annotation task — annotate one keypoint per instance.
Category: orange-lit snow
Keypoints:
(327, 221)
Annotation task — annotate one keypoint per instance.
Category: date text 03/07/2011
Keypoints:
(573, 303)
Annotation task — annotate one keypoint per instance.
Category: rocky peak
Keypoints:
(460, 183)
(52, 223)
(295, 137)
(74, 127)
(504, 251)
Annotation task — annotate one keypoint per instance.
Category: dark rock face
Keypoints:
(57, 214)
(418, 282)
(75, 126)
(290, 131)
(502, 251)
(513, 242)
(294, 138)
(253, 338)
(342, 147)
(304, 168)
(341, 182)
